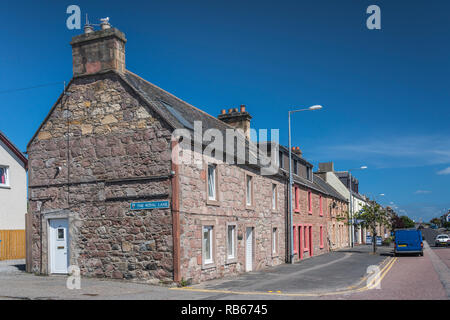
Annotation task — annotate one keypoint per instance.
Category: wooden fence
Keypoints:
(12, 245)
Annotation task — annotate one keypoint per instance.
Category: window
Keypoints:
(295, 167)
(274, 240)
(60, 234)
(274, 196)
(231, 247)
(309, 173)
(320, 205)
(208, 244)
(212, 193)
(309, 202)
(249, 191)
(297, 199)
(4, 176)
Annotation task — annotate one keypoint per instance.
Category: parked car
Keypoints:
(442, 240)
(408, 241)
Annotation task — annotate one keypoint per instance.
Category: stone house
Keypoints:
(319, 211)
(106, 194)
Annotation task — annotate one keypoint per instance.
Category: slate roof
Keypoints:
(180, 114)
(326, 186)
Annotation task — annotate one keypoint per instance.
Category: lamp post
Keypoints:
(291, 234)
(352, 232)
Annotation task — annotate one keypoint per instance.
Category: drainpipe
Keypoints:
(175, 203)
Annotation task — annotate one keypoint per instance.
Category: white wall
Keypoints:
(13, 199)
(333, 180)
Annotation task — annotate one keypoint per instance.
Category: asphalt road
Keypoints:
(338, 275)
(413, 278)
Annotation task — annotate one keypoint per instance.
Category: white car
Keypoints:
(442, 240)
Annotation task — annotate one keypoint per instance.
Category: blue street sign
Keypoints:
(150, 205)
(368, 239)
(379, 241)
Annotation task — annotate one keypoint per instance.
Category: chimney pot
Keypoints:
(239, 120)
(88, 29)
(223, 111)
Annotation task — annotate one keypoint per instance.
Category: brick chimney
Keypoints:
(297, 151)
(98, 51)
(326, 167)
(238, 119)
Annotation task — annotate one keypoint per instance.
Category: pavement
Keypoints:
(337, 275)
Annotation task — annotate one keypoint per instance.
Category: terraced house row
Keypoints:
(108, 191)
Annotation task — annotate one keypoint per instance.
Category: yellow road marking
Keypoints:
(382, 273)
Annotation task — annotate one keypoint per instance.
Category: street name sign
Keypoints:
(150, 205)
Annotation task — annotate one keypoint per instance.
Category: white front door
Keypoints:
(58, 245)
(249, 250)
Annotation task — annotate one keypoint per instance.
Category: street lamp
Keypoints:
(351, 204)
(312, 108)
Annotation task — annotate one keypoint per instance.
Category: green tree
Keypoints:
(372, 215)
(436, 221)
(407, 222)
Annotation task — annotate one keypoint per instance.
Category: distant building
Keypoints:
(340, 181)
(445, 217)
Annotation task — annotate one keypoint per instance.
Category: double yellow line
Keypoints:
(377, 278)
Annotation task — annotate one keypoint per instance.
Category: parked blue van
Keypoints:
(408, 241)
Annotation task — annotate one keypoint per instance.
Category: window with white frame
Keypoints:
(231, 246)
(208, 244)
(249, 190)
(274, 240)
(212, 192)
(4, 176)
(274, 196)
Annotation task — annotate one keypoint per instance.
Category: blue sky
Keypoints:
(385, 92)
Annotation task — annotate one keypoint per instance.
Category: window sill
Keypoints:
(4, 186)
(231, 261)
(249, 207)
(208, 266)
(213, 202)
